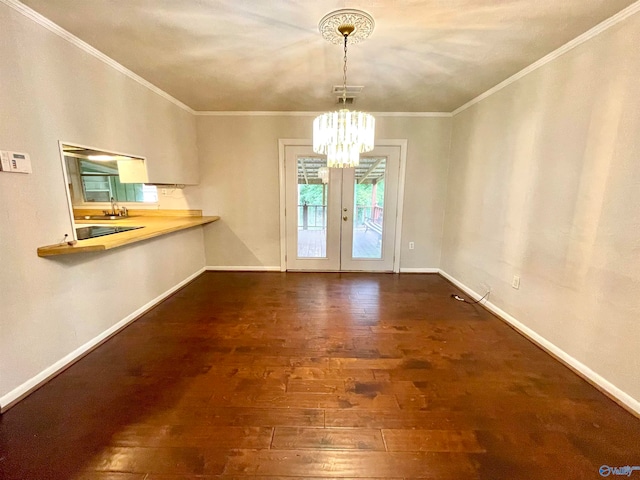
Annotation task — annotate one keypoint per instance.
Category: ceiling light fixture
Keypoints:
(344, 134)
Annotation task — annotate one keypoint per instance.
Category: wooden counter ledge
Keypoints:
(154, 224)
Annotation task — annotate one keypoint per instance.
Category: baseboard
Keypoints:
(616, 394)
(419, 270)
(242, 268)
(14, 396)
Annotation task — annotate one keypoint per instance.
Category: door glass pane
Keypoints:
(368, 208)
(312, 209)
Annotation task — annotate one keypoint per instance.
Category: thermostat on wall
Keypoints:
(15, 162)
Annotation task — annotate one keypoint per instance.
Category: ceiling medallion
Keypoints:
(362, 23)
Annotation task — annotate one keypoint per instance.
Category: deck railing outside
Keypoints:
(314, 217)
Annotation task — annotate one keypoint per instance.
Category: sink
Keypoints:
(93, 231)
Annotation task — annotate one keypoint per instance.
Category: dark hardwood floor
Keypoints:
(269, 375)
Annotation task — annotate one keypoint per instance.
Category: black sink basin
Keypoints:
(100, 231)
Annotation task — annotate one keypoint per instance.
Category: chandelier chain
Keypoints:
(344, 74)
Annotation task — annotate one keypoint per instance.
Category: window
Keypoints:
(99, 180)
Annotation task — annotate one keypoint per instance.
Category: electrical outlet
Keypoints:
(412, 245)
(515, 283)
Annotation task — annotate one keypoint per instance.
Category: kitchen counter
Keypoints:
(153, 223)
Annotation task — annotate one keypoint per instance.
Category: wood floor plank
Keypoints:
(327, 439)
(273, 376)
(277, 399)
(175, 460)
(268, 417)
(109, 476)
(316, 373)
(303, 463)
(431, 441)
(438, 420)
(194, 435)
(315, 386)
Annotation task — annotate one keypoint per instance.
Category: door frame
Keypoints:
(297, 142)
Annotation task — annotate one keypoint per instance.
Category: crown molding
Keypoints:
(312, 114)
(82, 45)
(412, 114)
(579, 40)
(228, 113)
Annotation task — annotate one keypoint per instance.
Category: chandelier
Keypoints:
(344, 134)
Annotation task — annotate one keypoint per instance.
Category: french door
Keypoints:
(348, 221)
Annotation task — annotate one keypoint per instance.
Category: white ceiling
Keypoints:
(267, 55)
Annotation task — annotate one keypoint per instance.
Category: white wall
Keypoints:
(51, 91)
(239, 182)
(544, 183)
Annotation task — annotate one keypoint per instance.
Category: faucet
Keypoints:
(114, 205)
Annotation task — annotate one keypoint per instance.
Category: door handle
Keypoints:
(345, 218)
